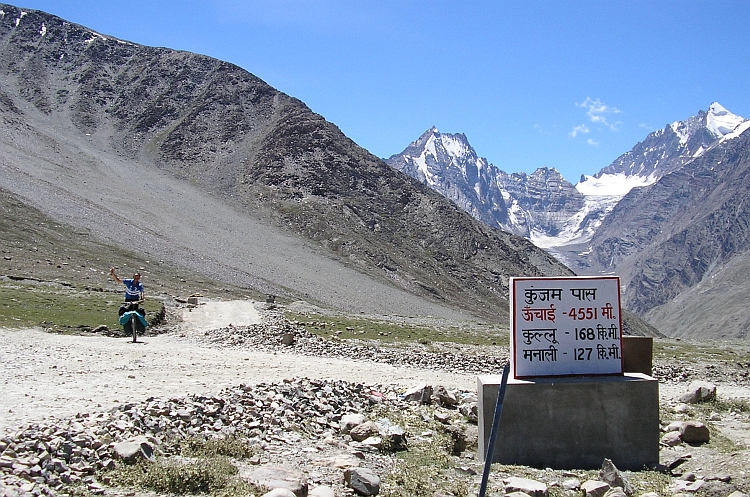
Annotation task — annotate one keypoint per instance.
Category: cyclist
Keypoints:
(133, 287)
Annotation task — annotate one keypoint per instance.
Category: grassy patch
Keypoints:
(650, 481)
(699, 353)
(348, 327)
(420, 470)
(168, 476)
(60, 308)
(722, 406)
(704, 410)
(235, 446)
(204, 465)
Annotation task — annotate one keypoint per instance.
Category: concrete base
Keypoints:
(573, 423)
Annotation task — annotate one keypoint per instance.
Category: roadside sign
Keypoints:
(565, 326)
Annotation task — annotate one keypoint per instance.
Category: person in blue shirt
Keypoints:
(133, 297)
(133, 287)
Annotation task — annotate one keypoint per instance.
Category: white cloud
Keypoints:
(582, 128)
(592, 142)
(598, 112)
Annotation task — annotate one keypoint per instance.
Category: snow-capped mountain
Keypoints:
(533, 205)
(449, 165)
(543, 206)
(663, 152)
(670, 216)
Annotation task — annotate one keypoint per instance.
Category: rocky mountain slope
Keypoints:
(194, 161)
(616, 220)
(683, 243)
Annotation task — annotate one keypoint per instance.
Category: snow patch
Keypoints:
(720, 121)
(580, 227)
(43, 31)
(455, 148)
(680, 131)
(612, 184)
(94, 37)
(741, 128)
(421, 161)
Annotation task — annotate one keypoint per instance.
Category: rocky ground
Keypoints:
(68, 401)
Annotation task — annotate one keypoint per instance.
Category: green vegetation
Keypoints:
(235, 446)
(419, 470)
(215, 476)
(185, 477)
(348, 327)
(204, 466)
(61, 309)
(703, 412)
(703, 353)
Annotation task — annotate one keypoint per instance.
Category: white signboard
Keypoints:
(565, 326)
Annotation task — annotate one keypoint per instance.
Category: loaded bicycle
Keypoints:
(133, 318)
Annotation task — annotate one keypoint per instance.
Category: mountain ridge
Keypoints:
(199, 162)
(617, 221)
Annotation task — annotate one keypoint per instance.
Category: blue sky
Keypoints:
(564, 84)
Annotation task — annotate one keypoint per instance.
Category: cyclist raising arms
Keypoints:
(133, 287)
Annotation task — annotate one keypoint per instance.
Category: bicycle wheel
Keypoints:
(132, 327)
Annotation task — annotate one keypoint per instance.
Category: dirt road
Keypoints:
(44, 375)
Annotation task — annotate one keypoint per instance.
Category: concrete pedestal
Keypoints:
(573, 423)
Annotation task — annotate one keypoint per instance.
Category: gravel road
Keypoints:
(45, 375)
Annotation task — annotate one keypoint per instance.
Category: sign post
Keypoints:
(566, 326)
(569, 403)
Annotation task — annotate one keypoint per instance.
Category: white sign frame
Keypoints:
(566, 326)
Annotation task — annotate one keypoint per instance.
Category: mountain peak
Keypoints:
(720, 121)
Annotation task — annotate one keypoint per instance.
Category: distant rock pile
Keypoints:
(275, 332)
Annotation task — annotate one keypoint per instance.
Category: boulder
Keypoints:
(699, 391)
(571, 484)
(671, 439)
(531, 487)
(393, 435)
(364, 431)
(443, 396)
(470, 410)
(363, 481)
(616, 492)
(674, 426)
(322, 491)
(612, 476)
(419, 393)
(594, 488)
(275, 477)
(130, 451)
(349, 421)
(694, 432)
(442, 417)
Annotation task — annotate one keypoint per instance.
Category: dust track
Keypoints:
(46, 375)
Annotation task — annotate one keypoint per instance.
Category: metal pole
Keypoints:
(490, 452)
